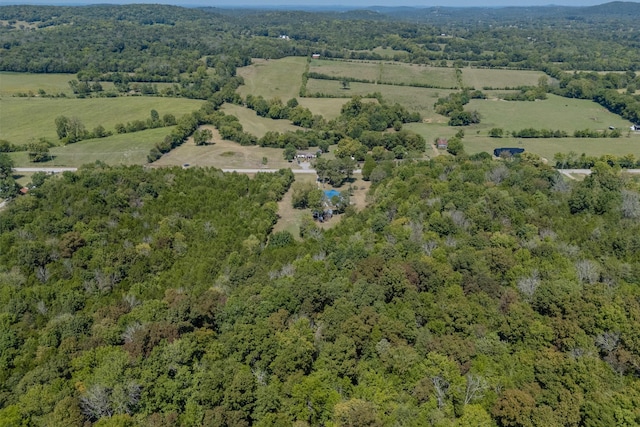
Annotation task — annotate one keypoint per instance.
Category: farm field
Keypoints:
(271, 78)
(255, 124)
(224, 155)
(329, 108)
(120, 149)
(24, 119)
(14, 83)
(547, 148)
(387, 72)
(553, 113)
(413, 98)
(481, 77)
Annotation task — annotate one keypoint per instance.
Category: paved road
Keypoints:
(47, 170)
(588, 171)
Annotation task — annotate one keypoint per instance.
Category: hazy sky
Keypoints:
(344, 3)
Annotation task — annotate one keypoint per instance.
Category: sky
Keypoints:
(326, 3)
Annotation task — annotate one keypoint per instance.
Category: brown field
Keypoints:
(224, 155)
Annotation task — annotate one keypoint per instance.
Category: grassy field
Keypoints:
(386, 72)
(329, 108)
(548, 147)
(13, 83)
(124, 149)
(225, 155)
(553, 113)
(255, 124)
(480, 77)
(23, 119)
(413, 98)
(273, 78)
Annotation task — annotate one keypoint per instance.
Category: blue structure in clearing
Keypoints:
(330, 193)
(509, 151)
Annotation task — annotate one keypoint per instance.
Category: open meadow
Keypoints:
(119, 149)
(413, 98)
(273, 78)
(25, 119)
(16, 83)
(386, 72)
(548, 147)
(256, 125)
(494, 78)
(555, 112)
(329, 108)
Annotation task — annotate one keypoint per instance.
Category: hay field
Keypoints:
(481, 77)
(553, 113)
(386, 72)
(273, 78)
(413, 98)
(24, 119)
(547, 148)
(14, 83)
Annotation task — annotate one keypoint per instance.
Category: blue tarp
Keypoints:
(331, 193)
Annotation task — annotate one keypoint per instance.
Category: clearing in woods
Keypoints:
(225, 155)
(290, 219)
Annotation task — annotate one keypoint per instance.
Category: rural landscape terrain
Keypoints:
(387, 216)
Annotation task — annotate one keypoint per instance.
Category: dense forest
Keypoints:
(471, 291)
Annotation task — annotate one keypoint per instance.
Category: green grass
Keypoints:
(329, 108)
(480, 77)
(255, 124)
(124, 149)
(553, 113)
(548, 147)
(273, 78)
(25, 119)
(413, 98)
(13, 83)
(386, 72)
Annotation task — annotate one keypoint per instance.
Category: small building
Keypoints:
(24, 190)
(442, 143)
(305, 156)
(315, 56)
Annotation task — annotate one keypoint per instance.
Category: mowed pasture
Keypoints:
(225, 155)
(413, 98)
(547, 148)
(555, 113)
(273, 78)
(256, 125)
(329, 108)
(25, 119)
(387, 72)
(499, 79)
(15, 83)
(120, 149)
